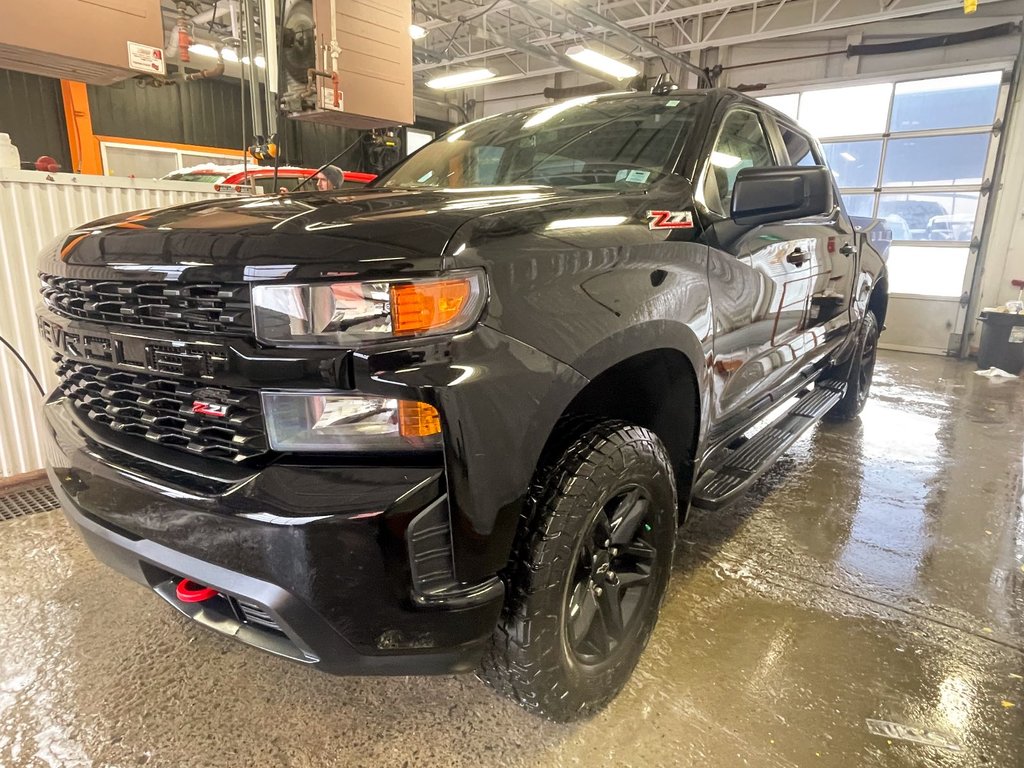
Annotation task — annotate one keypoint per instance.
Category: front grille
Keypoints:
(160, 409)
(202, 307)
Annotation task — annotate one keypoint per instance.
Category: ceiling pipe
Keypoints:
(648, 45)
(217, 70)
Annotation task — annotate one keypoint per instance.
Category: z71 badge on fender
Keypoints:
(670, 220)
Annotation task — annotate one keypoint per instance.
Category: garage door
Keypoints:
(919, 153)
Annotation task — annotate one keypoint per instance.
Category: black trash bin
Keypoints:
(1002, 341)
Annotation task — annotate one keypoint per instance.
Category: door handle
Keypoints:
(847, 250)
(797, 257)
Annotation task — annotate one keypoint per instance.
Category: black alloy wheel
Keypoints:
(612, 583)
(860, 372)
(588, 572)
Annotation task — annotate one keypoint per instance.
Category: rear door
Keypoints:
(760, 278)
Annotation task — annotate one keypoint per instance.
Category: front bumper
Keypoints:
(312, 563)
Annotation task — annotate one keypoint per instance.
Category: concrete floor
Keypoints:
(877, 573)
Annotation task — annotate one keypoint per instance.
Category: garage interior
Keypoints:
(863, 604)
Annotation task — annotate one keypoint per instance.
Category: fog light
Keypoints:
(309, 421)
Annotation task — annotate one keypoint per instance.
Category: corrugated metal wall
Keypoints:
(35, 208)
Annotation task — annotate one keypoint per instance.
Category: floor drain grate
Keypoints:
(27, 501)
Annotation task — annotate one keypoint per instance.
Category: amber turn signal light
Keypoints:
(426, 306)
(417, 419)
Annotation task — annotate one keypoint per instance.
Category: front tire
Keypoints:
(588, 575)
(862, 371)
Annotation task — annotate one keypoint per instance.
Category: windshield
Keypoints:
(585, 142)
(204, 178)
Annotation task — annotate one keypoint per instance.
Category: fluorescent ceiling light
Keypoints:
(201, 49)
(724, 160)
(848, 157)
(416, 32)
(589, 221)
(460, 79)
(556, 109)
(600, 62)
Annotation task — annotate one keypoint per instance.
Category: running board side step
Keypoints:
(729, 479)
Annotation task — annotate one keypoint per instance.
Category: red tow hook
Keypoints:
(190, 592)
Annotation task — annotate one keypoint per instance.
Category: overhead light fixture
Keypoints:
(202, 49)
(591, 58)
(416, 32)
(228, 54)
(460, 79)
(848, 157)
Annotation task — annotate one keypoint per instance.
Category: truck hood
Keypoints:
(306, 235)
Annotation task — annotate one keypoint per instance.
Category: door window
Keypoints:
(798, 147)
(742, 143)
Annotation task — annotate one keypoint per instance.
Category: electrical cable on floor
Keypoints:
(24, 364)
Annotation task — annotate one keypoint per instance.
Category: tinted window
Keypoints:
(742, 143)
(798, 146)
(586, 142)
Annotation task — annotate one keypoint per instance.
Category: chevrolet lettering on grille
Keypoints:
(197, 361)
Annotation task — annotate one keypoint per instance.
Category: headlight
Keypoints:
(346, 314)
(310, 421)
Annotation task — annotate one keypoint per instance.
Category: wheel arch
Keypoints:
(878, 301)
(657, 388)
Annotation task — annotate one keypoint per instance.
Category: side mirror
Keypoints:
(765, 195)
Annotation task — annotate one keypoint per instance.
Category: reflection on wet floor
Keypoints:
(876, 574)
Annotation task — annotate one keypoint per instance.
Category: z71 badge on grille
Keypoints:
(670, 220)
(204, 408)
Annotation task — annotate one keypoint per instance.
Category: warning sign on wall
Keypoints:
(146, 58)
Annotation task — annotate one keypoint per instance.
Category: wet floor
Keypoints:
(869, 590)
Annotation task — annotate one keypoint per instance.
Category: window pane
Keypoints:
(859, 205)
(786, 103)
(140, 161)
(946, 102)
(854, 163)
(188, 160)
(797, 147)
(930, 215)
(741, 144)
(936, 160)
(852, 111)
(927, 270)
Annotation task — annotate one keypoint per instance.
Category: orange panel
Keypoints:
(85, 147)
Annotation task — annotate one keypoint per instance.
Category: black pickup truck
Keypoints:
(451, 421)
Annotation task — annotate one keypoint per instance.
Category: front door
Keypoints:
(763, 281)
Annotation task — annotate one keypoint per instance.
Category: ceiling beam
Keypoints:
(649, 45)
(823, 25)
(559, 59)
